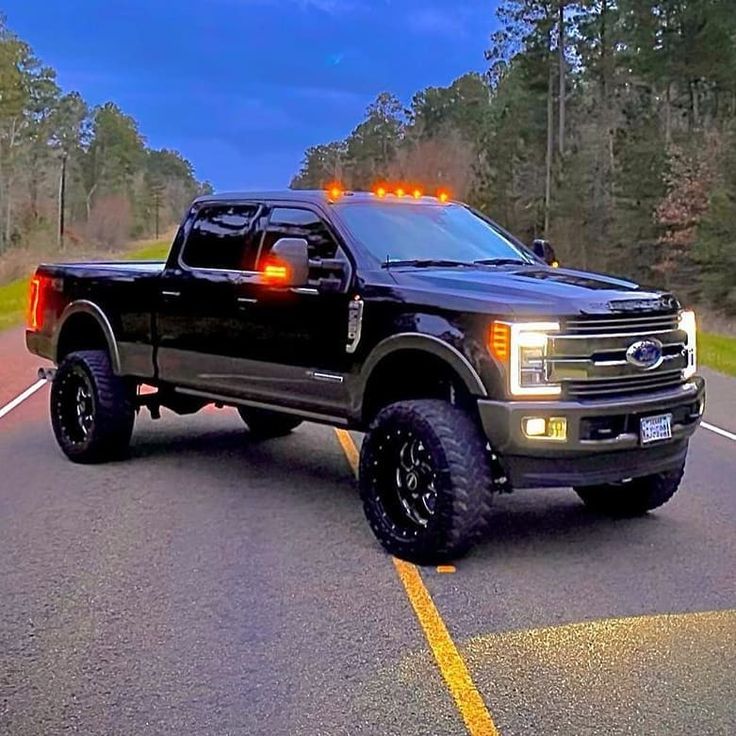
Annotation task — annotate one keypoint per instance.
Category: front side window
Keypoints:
(223, 237)
(288, 222)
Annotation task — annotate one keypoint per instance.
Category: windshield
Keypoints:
(408, 232)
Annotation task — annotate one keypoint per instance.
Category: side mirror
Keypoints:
(543, 249)
(287, 264)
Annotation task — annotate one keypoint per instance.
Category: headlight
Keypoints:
(687, 325)
(523, 347)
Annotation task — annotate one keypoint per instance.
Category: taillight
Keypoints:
(35, 303)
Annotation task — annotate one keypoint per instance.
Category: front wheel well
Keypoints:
(412, 374)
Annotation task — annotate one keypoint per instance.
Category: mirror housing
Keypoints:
(543, 250)
(287, 263)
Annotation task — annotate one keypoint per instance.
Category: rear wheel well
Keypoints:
(80, 332)
(412, 374)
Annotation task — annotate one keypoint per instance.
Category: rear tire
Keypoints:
(92, 409)
(634, 498)
(423, 477)
(264, 424)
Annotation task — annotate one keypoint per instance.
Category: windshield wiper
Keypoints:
(503, 262)
(426, 263)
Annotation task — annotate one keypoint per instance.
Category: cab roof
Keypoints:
(316, 196)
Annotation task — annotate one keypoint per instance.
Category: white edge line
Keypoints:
(22, 397)
(718, 430)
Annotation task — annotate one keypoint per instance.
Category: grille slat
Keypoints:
(616, 324)
(623, 385)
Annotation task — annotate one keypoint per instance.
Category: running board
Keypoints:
(233, 401)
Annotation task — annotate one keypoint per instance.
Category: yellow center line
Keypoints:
(468, 700)
(349, 448)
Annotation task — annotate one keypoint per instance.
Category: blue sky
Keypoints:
(242, 87)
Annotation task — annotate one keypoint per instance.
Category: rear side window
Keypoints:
(223, 237)
(287, 222)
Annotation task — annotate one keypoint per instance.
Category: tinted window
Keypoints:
(405, 231)
(296, 223)
(223, 236)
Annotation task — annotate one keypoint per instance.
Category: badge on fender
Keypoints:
(355, 323)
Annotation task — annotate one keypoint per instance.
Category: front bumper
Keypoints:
(602, 444)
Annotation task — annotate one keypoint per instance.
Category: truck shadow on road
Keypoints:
(557, 516)
(308, 468)
(225, 452)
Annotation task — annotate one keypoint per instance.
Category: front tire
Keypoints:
(264, 424)
(423, 476)
(92, 409)
(634, 498)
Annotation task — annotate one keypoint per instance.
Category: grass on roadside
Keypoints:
(155, 251)
(13, 295)
(13, 302)
(717, 352)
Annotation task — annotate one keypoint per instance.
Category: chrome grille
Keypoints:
(588, 356)
(621, 324)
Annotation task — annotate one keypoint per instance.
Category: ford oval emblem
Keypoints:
(646, 354)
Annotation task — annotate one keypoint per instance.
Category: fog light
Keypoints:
(554, 428)
(557, 428)
(535, 427)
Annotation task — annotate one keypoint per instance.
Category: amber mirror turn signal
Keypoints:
(287, 264)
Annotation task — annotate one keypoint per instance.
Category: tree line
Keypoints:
(606, 126)
(73, 174)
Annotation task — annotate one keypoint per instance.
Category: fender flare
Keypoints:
(84, 306)
(428, 344)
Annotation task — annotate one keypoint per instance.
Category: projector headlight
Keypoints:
(687, 325)
(523, 347)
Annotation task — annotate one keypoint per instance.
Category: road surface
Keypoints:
(215, 585)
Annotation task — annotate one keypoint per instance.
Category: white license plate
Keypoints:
(656, 428)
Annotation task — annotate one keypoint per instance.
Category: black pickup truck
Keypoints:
(473, 366)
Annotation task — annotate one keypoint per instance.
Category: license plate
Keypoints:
(653, 429)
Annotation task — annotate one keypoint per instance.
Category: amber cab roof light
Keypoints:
(336, 191)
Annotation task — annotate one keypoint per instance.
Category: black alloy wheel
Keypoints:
(92, 409)
(408, 480)
(423, 479)
(76, 406)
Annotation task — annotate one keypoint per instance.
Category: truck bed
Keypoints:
(87, 268)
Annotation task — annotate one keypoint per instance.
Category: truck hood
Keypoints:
(529, 291)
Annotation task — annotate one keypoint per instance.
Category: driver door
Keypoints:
(297, 336)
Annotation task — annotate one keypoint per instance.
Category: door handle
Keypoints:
(171, 293)
(244, 301)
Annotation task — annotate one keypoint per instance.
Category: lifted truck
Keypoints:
(472, 365)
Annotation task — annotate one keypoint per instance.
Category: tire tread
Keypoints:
(464, 452)
(634, 498)
(115, 410)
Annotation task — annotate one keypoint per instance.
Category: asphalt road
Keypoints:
(215, 585)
